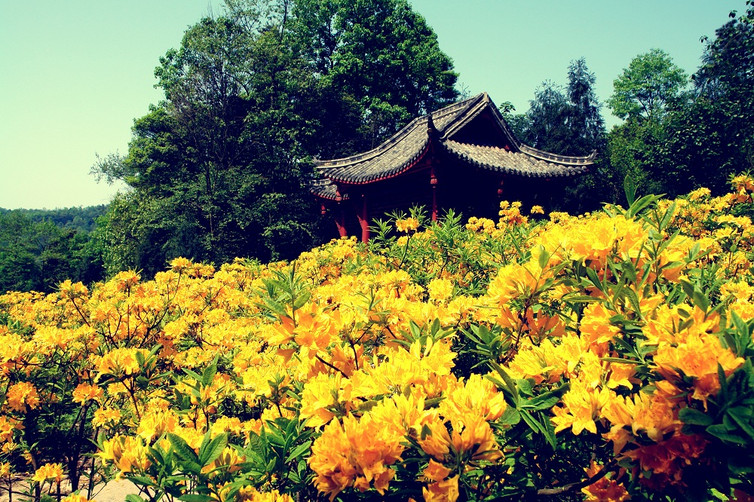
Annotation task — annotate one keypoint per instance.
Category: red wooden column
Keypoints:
(340, 217)
(433, 182)
(363, 215)
(432, 134)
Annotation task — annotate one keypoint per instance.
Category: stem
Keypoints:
(578, 485)
(330, 365)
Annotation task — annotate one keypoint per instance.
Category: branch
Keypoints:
(579, 485)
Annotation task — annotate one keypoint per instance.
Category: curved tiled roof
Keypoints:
(409, 145)
(503, 161)
(326, 189)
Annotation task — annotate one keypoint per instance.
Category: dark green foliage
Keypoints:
(219, 169)
(674, 141)
(36, 254)
(566, 121)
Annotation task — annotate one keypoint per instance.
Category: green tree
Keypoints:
(566, 121)
(218, 169)
(379, 55)
(650, 84)
(713, 137)
(645, 95)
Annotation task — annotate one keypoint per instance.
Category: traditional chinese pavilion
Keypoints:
(459, 157)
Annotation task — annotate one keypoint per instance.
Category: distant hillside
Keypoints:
(76, 218)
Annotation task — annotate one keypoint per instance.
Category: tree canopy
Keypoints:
(218, 169)
(650, 83)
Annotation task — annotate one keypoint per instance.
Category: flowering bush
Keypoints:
(600, 357)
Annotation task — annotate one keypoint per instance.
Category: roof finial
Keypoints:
(430, 125)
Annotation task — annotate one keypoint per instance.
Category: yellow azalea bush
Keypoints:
(603, 357)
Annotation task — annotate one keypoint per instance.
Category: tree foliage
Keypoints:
(36, 253)
(218, 168)
(650, 84)
(567, 120)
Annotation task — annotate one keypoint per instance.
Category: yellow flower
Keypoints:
(75, 497)
(406, 225)
(442, 491)
(48, 471)
(435, 471)
(105, 416)
(537, 210)
(85, 392)
(698, 357)
(22, 394)
(440, 289)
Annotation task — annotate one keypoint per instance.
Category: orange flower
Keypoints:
(442, 491)
(49, 471)
(605, 489)
(698, 356)
(85, 392)
(407, 224)
(22, 394)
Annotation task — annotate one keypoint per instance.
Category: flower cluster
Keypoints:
(604, 356)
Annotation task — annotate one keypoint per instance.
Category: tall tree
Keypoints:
(218, 168)
(379, 54)
(713, 137)
(650, 83)
(566, 121)
(645, 93)
(584, 117)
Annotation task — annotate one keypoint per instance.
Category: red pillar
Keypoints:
(363, 216)
(340, 221)
(433, 182)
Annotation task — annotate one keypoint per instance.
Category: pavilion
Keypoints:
(457, 157)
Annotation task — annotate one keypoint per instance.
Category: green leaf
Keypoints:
(298, 451)
(134, 498)
(510, 416)
(629, 189)
(195, 497)
(181, 448)
(510, 386)
(724, 433)
(693, 416)
(208, 454)
(700, 300)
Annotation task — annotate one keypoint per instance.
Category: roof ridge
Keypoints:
(395, 138)
(565, 160)
(561, 159)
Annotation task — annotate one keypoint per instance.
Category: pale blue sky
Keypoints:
(75, 73)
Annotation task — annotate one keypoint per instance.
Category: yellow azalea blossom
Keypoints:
(104, 416)
(477, 395)
(442, 491)
(251, 494)
(581, 405)
(435, 471)
(47, 472)
(440, 290)
(473, 438)
(22, 394)
(127, 453)
(698, 357)
(86, 392)
(355, 453)
(75, 497)
(405, 225)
